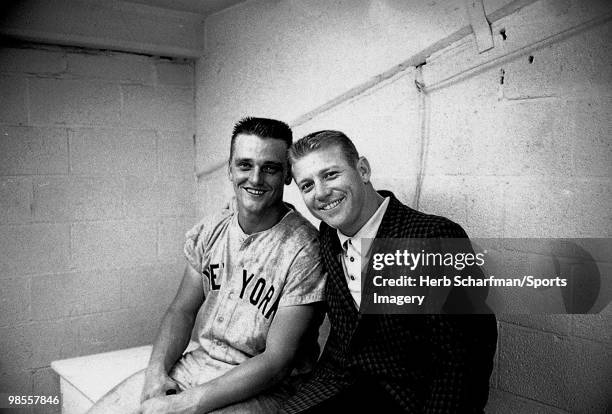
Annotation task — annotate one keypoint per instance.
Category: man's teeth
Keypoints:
(254, 192)
(331, 205)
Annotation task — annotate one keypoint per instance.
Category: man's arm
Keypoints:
(173, 335)
(462, 346)
(249, 378)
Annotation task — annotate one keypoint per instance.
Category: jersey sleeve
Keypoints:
(194, 245)
(305, 280)
(199, 236)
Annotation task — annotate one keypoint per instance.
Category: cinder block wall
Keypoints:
(96, 191)
(514, 142)
(284, 58)
(520, 147)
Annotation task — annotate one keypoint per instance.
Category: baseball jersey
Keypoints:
(246, 279)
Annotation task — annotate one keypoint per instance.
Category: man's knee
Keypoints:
(123, 398)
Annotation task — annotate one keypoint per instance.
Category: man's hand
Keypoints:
(171, 404)
(173, 335)
(156, 385)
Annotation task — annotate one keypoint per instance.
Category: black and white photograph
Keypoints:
(305, 206)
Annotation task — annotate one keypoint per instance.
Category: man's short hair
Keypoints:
(262, 127)
(322, 140)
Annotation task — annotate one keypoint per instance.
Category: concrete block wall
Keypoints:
(510, 143)
(392, 107)
(533, 160)
(97, 189)
(316, 51)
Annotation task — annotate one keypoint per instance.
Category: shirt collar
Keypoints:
(369, 230)
(233, 210)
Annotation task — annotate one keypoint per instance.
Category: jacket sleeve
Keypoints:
(462, 345)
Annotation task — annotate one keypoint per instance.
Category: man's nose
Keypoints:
(322, 192)
(256, 176)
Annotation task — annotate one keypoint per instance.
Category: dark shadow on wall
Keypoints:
(584, 278)
(582, 265)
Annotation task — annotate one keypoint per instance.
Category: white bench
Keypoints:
(84, 380)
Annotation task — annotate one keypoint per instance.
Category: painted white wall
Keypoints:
(108, 24)
(97, 190)
(513, 142)
(284, 58)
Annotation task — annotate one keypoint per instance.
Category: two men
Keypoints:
(386, 363)
(255, 273)
(252, 283)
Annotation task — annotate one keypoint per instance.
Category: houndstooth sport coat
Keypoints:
(426, 363)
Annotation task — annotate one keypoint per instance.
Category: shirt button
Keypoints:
(220, 319)
(231, 295)
(352, 259)
(352, 277)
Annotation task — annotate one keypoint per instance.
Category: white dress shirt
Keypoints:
(354, 246)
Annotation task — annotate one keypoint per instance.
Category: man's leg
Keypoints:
(266, 403)
(123, 399)
(361, 397)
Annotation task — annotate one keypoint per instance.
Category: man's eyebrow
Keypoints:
(264, 164)
(328, 169)
(275, 163)
(319, 172)
(305, 180)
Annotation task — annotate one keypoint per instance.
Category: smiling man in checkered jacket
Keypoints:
(381, 363)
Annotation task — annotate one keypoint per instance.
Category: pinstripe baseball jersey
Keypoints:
(246, 279)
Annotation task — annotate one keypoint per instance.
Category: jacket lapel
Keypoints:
(389, 226)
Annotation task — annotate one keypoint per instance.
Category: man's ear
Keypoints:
(288, 176)
(229, 170)
(363, 167)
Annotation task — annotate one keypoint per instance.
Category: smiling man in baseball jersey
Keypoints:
(252, 283)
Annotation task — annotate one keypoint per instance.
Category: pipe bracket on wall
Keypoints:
(480, 25)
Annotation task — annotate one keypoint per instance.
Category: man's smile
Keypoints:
(332, 204)
(254, 191)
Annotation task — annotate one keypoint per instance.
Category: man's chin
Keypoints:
(258, 207)
(254, 208)
(331, 220)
